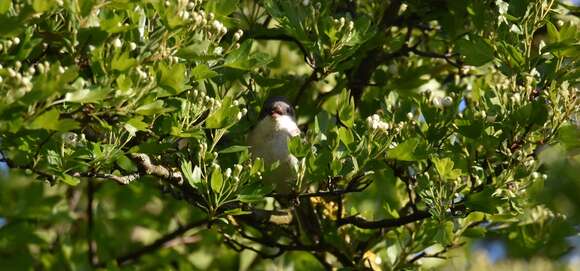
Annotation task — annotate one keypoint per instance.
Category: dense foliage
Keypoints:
(426, 124)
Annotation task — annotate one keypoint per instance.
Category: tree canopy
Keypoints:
(426, 125)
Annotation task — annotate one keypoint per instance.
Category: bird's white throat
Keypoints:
(269, 139)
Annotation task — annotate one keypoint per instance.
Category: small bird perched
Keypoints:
(269, 141)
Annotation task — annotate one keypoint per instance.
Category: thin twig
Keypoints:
(135, 255)
(90, 223)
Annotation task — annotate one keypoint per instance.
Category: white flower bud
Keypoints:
(11, 72)
(184, 15)
(1, 46)
(516, 98)
(16, 40)
(516, 29)
(132, 46)
(61, 69)
(545, 176)
(447, 101)
(31, 70)
(191, 5)
(410, 116)
(167, 3)
(244, 111)
(8, 43)
(228, 173)
(1, 79)
(541, 46)
(238, 168)
(239, 116)
(117, 43)
(437, 102)
(17, 65)
(535, 175)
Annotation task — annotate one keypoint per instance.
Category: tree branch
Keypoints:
(144, 163)
(424, 254)
(360, 76)
(384, 223)
(278, 34)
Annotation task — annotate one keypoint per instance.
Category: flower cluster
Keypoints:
(375, 123)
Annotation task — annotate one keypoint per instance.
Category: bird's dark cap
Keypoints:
(277, 105)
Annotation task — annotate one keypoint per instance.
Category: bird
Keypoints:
(268, 140)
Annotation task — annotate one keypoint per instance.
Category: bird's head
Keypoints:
(277, 106)
(279, 114)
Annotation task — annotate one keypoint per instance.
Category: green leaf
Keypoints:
(445, 168)
(151, 108)
(67, 125)
(483, 201)
(42, 5)
(532, 113)
(242, 59)
(553, 34)
(235, 148)
(237, 211)
(470, 128)
(5, 5)
(297, 146)
(122, 62)
(49, 121)
(217, 180)
(222, 7)
(345, 136)
(410, 150)
(70, 180)
(172, 77)
(193, 177)
(202, 71)
(87, 95)
(444, 234)
(197, 51)
(476, 50)
(135, 124)
(346, 109)
(224, 116)
(126, 164)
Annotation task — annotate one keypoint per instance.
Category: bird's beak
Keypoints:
(276, 111)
